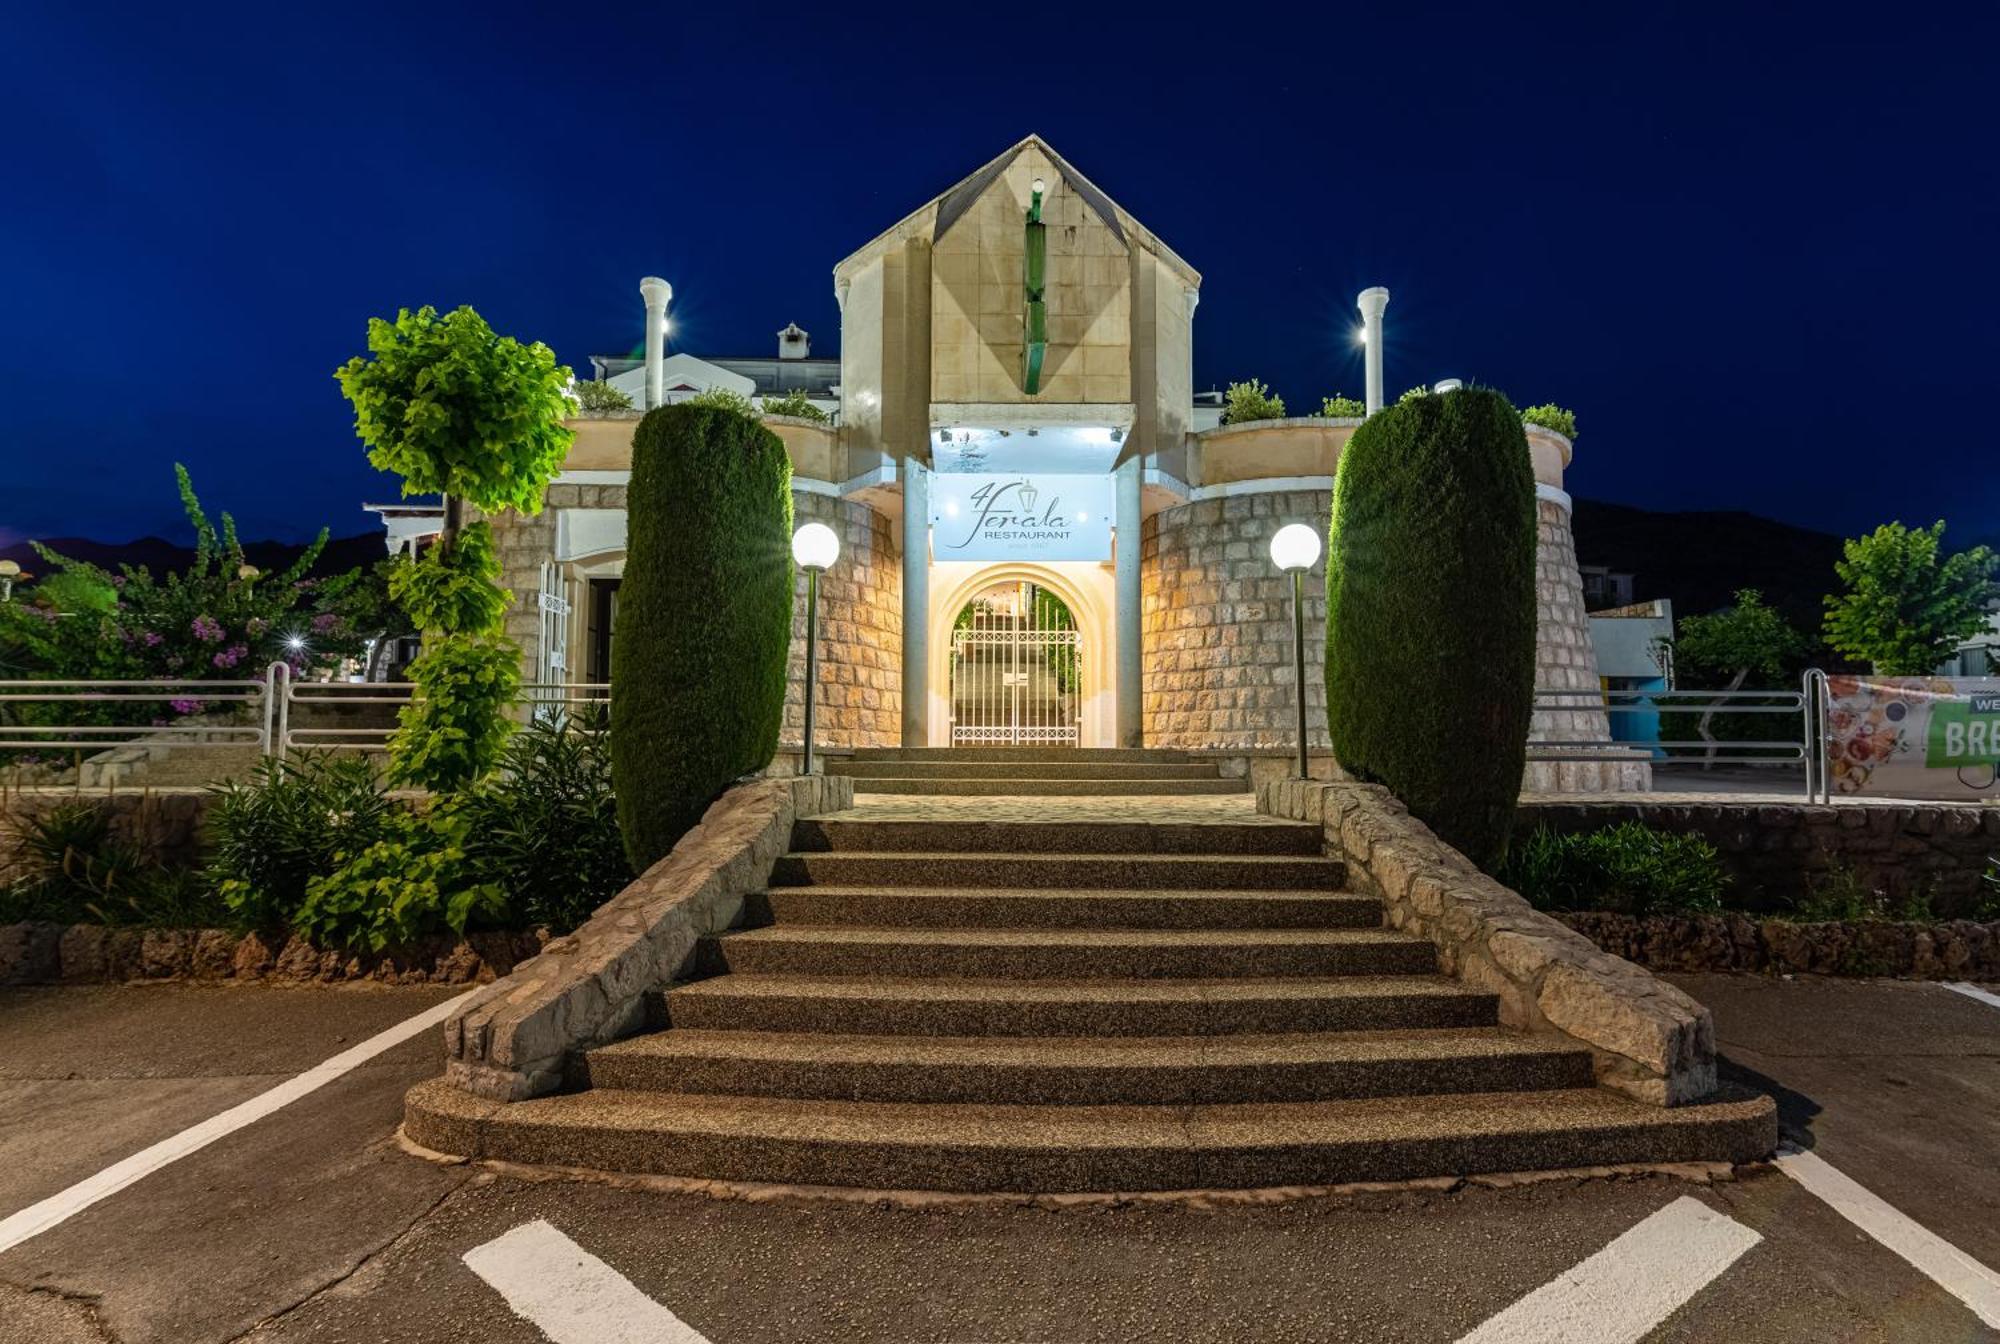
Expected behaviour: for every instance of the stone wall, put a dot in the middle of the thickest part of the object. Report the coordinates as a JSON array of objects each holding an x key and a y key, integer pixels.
[
  {"x": 860, "y": 697},
  {"x": 1565, "y": 661},
  {"x": 163, "y": 825},
  {"x": 1950, "y": 950},
  {"x": 1776, "y": 850},
  {"x": 1216, "y": 624},
  {"x": 1647, "y": 1039},
  {"x": 523, "y": 545}
]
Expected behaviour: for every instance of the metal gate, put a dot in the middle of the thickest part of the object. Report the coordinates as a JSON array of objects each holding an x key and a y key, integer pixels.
[
  {"x": 554, "y": 606},
  {"x": 1016, "y": 669}
]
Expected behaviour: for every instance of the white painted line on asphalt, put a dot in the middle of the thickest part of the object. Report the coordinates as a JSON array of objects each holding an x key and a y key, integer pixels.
[
  {"x": 39, "y": 1218},
  {"x": 569, "y": 1294},
  {"x": 1974, "y": 992},
  {"x": 1950, "y": 1268},
  {"x": 1620, "y": 1294}
]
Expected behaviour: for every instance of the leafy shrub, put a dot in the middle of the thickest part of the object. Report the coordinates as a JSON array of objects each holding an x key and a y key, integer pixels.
[
  {"x": 545, "y": 825},
  {"x": 1244, "y": 402},
  {"x": 407, "y": 885},
  {"x": 705, "y": 618},
  {"x": 1342, "y": 408},
  {"x": 1417, "y": 393},
  {"x": 455, "y": 726},
  {"x": 1629, "y": 868},
  {"x": 269, "y": 837},
  {"x": 453, "y": 588},
  {"x": 1430, "y": 600},
  {"x": 69, "y": 868},
  {"x": 722, "y": 399},
  {"x": 595, "y": 398},
  {"x": 1551, "y": 416},
  {"x": 797, "y": 404}
]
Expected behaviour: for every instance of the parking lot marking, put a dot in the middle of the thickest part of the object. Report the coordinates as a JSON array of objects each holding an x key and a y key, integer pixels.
[
  {"x": 1950, "y": 1268},
  {"x": 569, "y": 1294},
  {"x": 40, "y": 1217},
  {"x": 1620, "y": 1294},
  {"x": 1974, "y": 992}
]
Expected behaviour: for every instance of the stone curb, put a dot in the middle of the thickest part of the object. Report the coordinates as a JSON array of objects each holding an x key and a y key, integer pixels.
[
  {"x": 1949, "y": 950},
  {"x": 46, "y": 953},
  {"x": 1648, "y": 1040},
  {"x": 513, "y": 1039}
]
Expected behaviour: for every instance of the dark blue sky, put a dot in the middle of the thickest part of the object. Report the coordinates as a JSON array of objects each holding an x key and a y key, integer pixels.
[{"x": 1753, "y": 249}]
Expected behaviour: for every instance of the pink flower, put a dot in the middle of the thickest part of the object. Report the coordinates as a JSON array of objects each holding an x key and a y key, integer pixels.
[
  {"x": 206, "y": 629},
  {"x": 184, "y": 706},
  {"x": 231, "y": 656}
]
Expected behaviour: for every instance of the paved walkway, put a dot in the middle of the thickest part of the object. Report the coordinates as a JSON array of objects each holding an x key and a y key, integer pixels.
[
  {"x": 311, "y": 1226},
  {"x": 1235, "y": 808}
]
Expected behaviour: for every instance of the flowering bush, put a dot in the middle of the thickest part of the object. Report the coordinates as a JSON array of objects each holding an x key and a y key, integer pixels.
[{"x": 217, "y": 620}]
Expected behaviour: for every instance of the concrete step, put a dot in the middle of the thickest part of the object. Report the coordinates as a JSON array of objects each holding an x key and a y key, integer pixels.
[
  {"x": 913, "y": 1006},
  {"x": 1163, "y": 872},
  {"x": 821, "y": 834},
  {"x": 1065, "y": 954},
  {"x": 1153, "y": 755},
  {"x": 1003, "y": 908},
  {"x": 1011, "y": 770},
  {"x": 1094, "y": 1071},
  {"x": 1053, "y": 788},
  {"x": 1039, "y": 1149}
]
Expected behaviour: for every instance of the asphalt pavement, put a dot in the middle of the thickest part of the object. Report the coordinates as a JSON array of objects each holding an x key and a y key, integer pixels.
[{"x": 313, "y": 1224}]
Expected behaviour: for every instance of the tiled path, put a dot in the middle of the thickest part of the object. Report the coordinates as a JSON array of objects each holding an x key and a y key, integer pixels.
[{"x": 1236, "y": 808}]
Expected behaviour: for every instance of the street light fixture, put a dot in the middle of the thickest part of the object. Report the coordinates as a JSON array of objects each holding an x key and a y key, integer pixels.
[
  {"x": 1295, "y": 548},
  {"x": 815, "y": 548},
  {"x": 10, "y": 570}
]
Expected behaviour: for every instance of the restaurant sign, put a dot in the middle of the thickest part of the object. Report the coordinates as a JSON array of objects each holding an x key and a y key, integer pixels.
[{"x": 1022, "y": 517}]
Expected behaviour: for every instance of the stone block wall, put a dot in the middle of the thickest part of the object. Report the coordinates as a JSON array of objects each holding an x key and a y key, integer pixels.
[
  {"x": 1565, "y": 661},
  {"x": 860, "y": 696},
  {"x": 523, "y": 544},
  {"x": 1776, "y": 851},
  {"x": 1216, "y": 624}
]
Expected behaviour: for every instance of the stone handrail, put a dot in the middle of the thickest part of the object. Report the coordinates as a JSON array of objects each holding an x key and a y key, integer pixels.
[
  {"x": 513, "y": 1039},
  {"x": 1648, "y": 1040}
]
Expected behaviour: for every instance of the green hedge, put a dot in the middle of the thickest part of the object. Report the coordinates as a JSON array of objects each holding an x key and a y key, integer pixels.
[
  {"x": 1430, "y": 617},
  {"x": 704, "y": 618},
  {"x": 1629, "y": 868}
]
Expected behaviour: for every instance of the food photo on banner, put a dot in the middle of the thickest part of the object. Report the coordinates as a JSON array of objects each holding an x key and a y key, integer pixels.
[{"x": 1914, "y": 737}]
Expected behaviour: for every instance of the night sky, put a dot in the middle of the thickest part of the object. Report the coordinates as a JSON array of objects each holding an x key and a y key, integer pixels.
[{"x": 1753, "y": 250}]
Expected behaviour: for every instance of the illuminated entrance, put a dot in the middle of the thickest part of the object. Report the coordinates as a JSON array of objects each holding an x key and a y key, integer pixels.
[{"x": 1016, "y": 669}]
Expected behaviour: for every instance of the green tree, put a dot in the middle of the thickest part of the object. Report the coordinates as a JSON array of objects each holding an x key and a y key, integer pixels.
[
  {"x": 797, "y": 404},
  {"x": 1907, "y": 605},
  {"x": 1430, "y": 612},
  {"x": 704, "y": 618},
  {"x": 1551, "y": 416},
  {"x": 1337, "y": 407},
  {"x": 1732, "y": 645},
  {"x": 457, "y": 409},
  {"x": 1244, "y": 402}
]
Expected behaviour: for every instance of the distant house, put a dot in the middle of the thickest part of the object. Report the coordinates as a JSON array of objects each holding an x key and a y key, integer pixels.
[
  {"x": 1978, "y": 656},
  {"x": 1634, "y": 649}
]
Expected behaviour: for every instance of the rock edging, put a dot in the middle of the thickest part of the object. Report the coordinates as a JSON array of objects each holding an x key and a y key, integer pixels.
[
  {"x": 514, "y": 1038},
  {"x": 1948, "y": 950},
  {"x": 1648, "y": 1040},
  {"x": 45, "y": 953}
]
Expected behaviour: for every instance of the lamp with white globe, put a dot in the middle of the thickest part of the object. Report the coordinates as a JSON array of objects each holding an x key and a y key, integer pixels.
[
  {"x": 1295, "y": 549},
  {"x": 815, "y": 548}
]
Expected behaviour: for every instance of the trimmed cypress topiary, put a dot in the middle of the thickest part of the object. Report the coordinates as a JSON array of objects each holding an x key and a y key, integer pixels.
[
  {"x": 704, "y": 619},
  {"x": 1430, "y": 612}
]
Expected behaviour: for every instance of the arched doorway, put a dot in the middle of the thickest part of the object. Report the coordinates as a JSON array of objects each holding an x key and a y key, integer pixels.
[
  {"x": 1016, "y": 669},
  {"x": 1085, "y": 589}
]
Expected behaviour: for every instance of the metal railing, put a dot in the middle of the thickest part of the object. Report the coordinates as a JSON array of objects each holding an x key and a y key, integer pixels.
[
  {"x": 1792, "y": 714},
  {"x": 270, "y": 705}
]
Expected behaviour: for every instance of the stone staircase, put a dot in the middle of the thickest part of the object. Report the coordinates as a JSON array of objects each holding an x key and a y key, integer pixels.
[
  {"x": 1046, "y": 1004},
  {"x": 1037, "y": 771}
]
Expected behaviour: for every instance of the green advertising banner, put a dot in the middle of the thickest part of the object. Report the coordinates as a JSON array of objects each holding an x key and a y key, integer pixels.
[{"x": 1914, "y": 737}]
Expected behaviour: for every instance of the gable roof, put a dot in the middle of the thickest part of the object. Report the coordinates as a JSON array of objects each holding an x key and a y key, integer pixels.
[{"x": 935, "y": 217}]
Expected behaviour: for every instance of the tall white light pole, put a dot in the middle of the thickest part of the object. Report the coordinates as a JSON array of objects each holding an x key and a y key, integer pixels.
[
  {"x": 1294, "y": 549},
  {"x": 656, "y": 292},
  {"x": 815, "y": 547},
  {"x": 1371, "y": 302}
]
